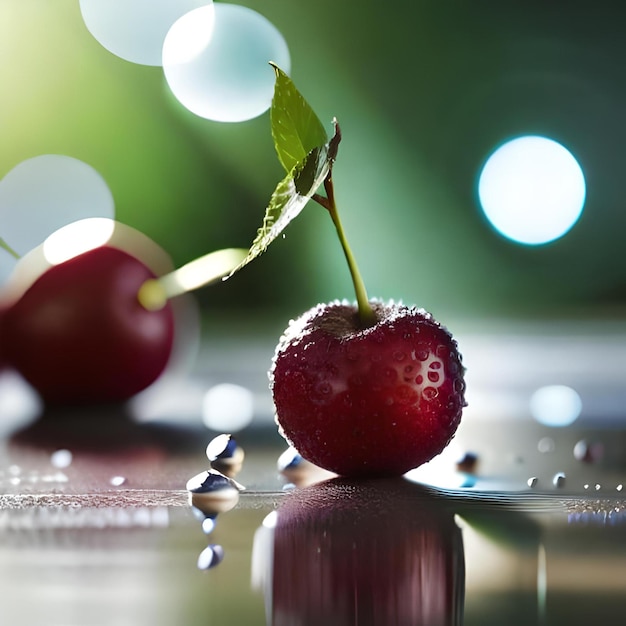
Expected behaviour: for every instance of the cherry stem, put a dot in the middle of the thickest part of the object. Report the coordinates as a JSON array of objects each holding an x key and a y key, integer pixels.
[
  {"x": 366, "y": 313},
  {"x": 155, "y": 292},
  {"x": 5, "y": 246}
]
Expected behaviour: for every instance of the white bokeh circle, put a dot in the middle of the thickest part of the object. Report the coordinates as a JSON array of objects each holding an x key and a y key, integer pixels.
[
  {"x": 220, "y": 71},
  {"x": 134, "y": 30},
  {"x": 555, "y": 405},
  {"x": 42, "y": 194},
  {"x": 532, "y": 190}
]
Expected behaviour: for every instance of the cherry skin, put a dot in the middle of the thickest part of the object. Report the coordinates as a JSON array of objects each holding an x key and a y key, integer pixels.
[
  {"x": 378, "y": 400},
  {"x": 79, "y": 334}
]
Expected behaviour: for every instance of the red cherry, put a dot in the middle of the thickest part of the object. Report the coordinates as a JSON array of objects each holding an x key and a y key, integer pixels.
[
  {"x": 79, "y": 335},
  {"x": 367, "y": 401}
]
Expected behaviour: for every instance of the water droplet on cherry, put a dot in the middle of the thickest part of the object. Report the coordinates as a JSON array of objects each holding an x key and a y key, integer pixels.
[{"x": 430, "y": 393}]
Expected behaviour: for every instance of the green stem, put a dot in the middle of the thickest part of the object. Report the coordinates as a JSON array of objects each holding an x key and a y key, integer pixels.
[
  {"x": 366, "y": 313},
  {"x": 5, "y": 246}
]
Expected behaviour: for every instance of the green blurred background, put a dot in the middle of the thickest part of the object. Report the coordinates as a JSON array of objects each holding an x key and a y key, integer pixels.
[{"x": 424, "y": 91}]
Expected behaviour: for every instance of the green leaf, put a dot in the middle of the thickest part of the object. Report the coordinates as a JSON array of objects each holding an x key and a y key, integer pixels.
[
  {"x": 296, "y": 129},
  {"x": 289, "y": 198}
]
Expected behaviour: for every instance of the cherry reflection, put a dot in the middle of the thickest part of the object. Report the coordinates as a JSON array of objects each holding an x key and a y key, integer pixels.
[{"x": 373, "y": 552}]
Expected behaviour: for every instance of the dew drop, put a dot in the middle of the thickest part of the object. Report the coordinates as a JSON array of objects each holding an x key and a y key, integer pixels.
[
  {"x": 430, "y": 393},
  {"x": 221, "y": 446},
  {"x": 289, "y": 459},
  {"x": 435, "y": 365},
  {"x": 598, "y": 486},
  {"x": 619, "y": 487},
  {"x": 117, "y": 481},
  {"x": 210, "y": 557},
  {"x": 532, "y": 482},
  {"x": 433, "y": 377},
  {"x": 208, "y": 524},
  {"x": 588, "y": 452},
  {"x": 419, "y": 379},
  {"x": 467, "y": 463},
  {"x": 421, "y": 355},
  {"x": 559, "y": 480}
]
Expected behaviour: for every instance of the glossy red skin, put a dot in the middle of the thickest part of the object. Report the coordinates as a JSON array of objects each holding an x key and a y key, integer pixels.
[
  {"x": 79, "y": 334},
  {"x": 377, "y": 401},
  {"x": 367, "y": 552}
]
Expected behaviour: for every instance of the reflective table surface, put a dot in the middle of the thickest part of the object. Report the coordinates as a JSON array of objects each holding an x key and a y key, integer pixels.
[{"x": 97, "y": 527}]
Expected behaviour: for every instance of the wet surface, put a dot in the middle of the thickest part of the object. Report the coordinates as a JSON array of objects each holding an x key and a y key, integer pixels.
[
  {"x": 516, "y": 523},
  {"x": 329, "y": 552}
]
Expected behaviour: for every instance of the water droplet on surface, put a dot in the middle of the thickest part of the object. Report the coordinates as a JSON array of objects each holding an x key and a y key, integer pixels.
[
  {"x": 588, "y": 452},
  {"x": 210, "y": 557},
  {"x": 208, "y": 524},
  {"x": 220, "y": 446},
  {"x": 598, "y": 486},
  {"x": 619, "y": 487},
  {"x": 559, "y": 480},
  {"x": 467, "y": 463},
  {"x": 212, "y": 492},
  {"x": 433, "y": 377},
  {"x": 289, "y": 459},
  {"x": 117, "y": 481},
  {"x": 61, "y": 459},
  {"x": 545, "y": 445},
  {"x": 225, "y": 455},
  {"x": 532, "y": 482},
  {"x": 421, "y": 355}
]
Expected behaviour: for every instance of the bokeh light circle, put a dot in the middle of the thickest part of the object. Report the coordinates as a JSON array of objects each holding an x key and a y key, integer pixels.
[
  {"x": 227, "y": 407},
  {"x": 555, "y": 405},
  {"x": 134, "y": 30},
  {"x": 44, "y": 193},
  {"x": 532, "y": 190},
  {"x": 221, "y": 72}
]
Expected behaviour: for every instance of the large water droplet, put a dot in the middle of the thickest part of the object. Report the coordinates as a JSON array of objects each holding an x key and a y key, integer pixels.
[{"x": 559, "y": 480}]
